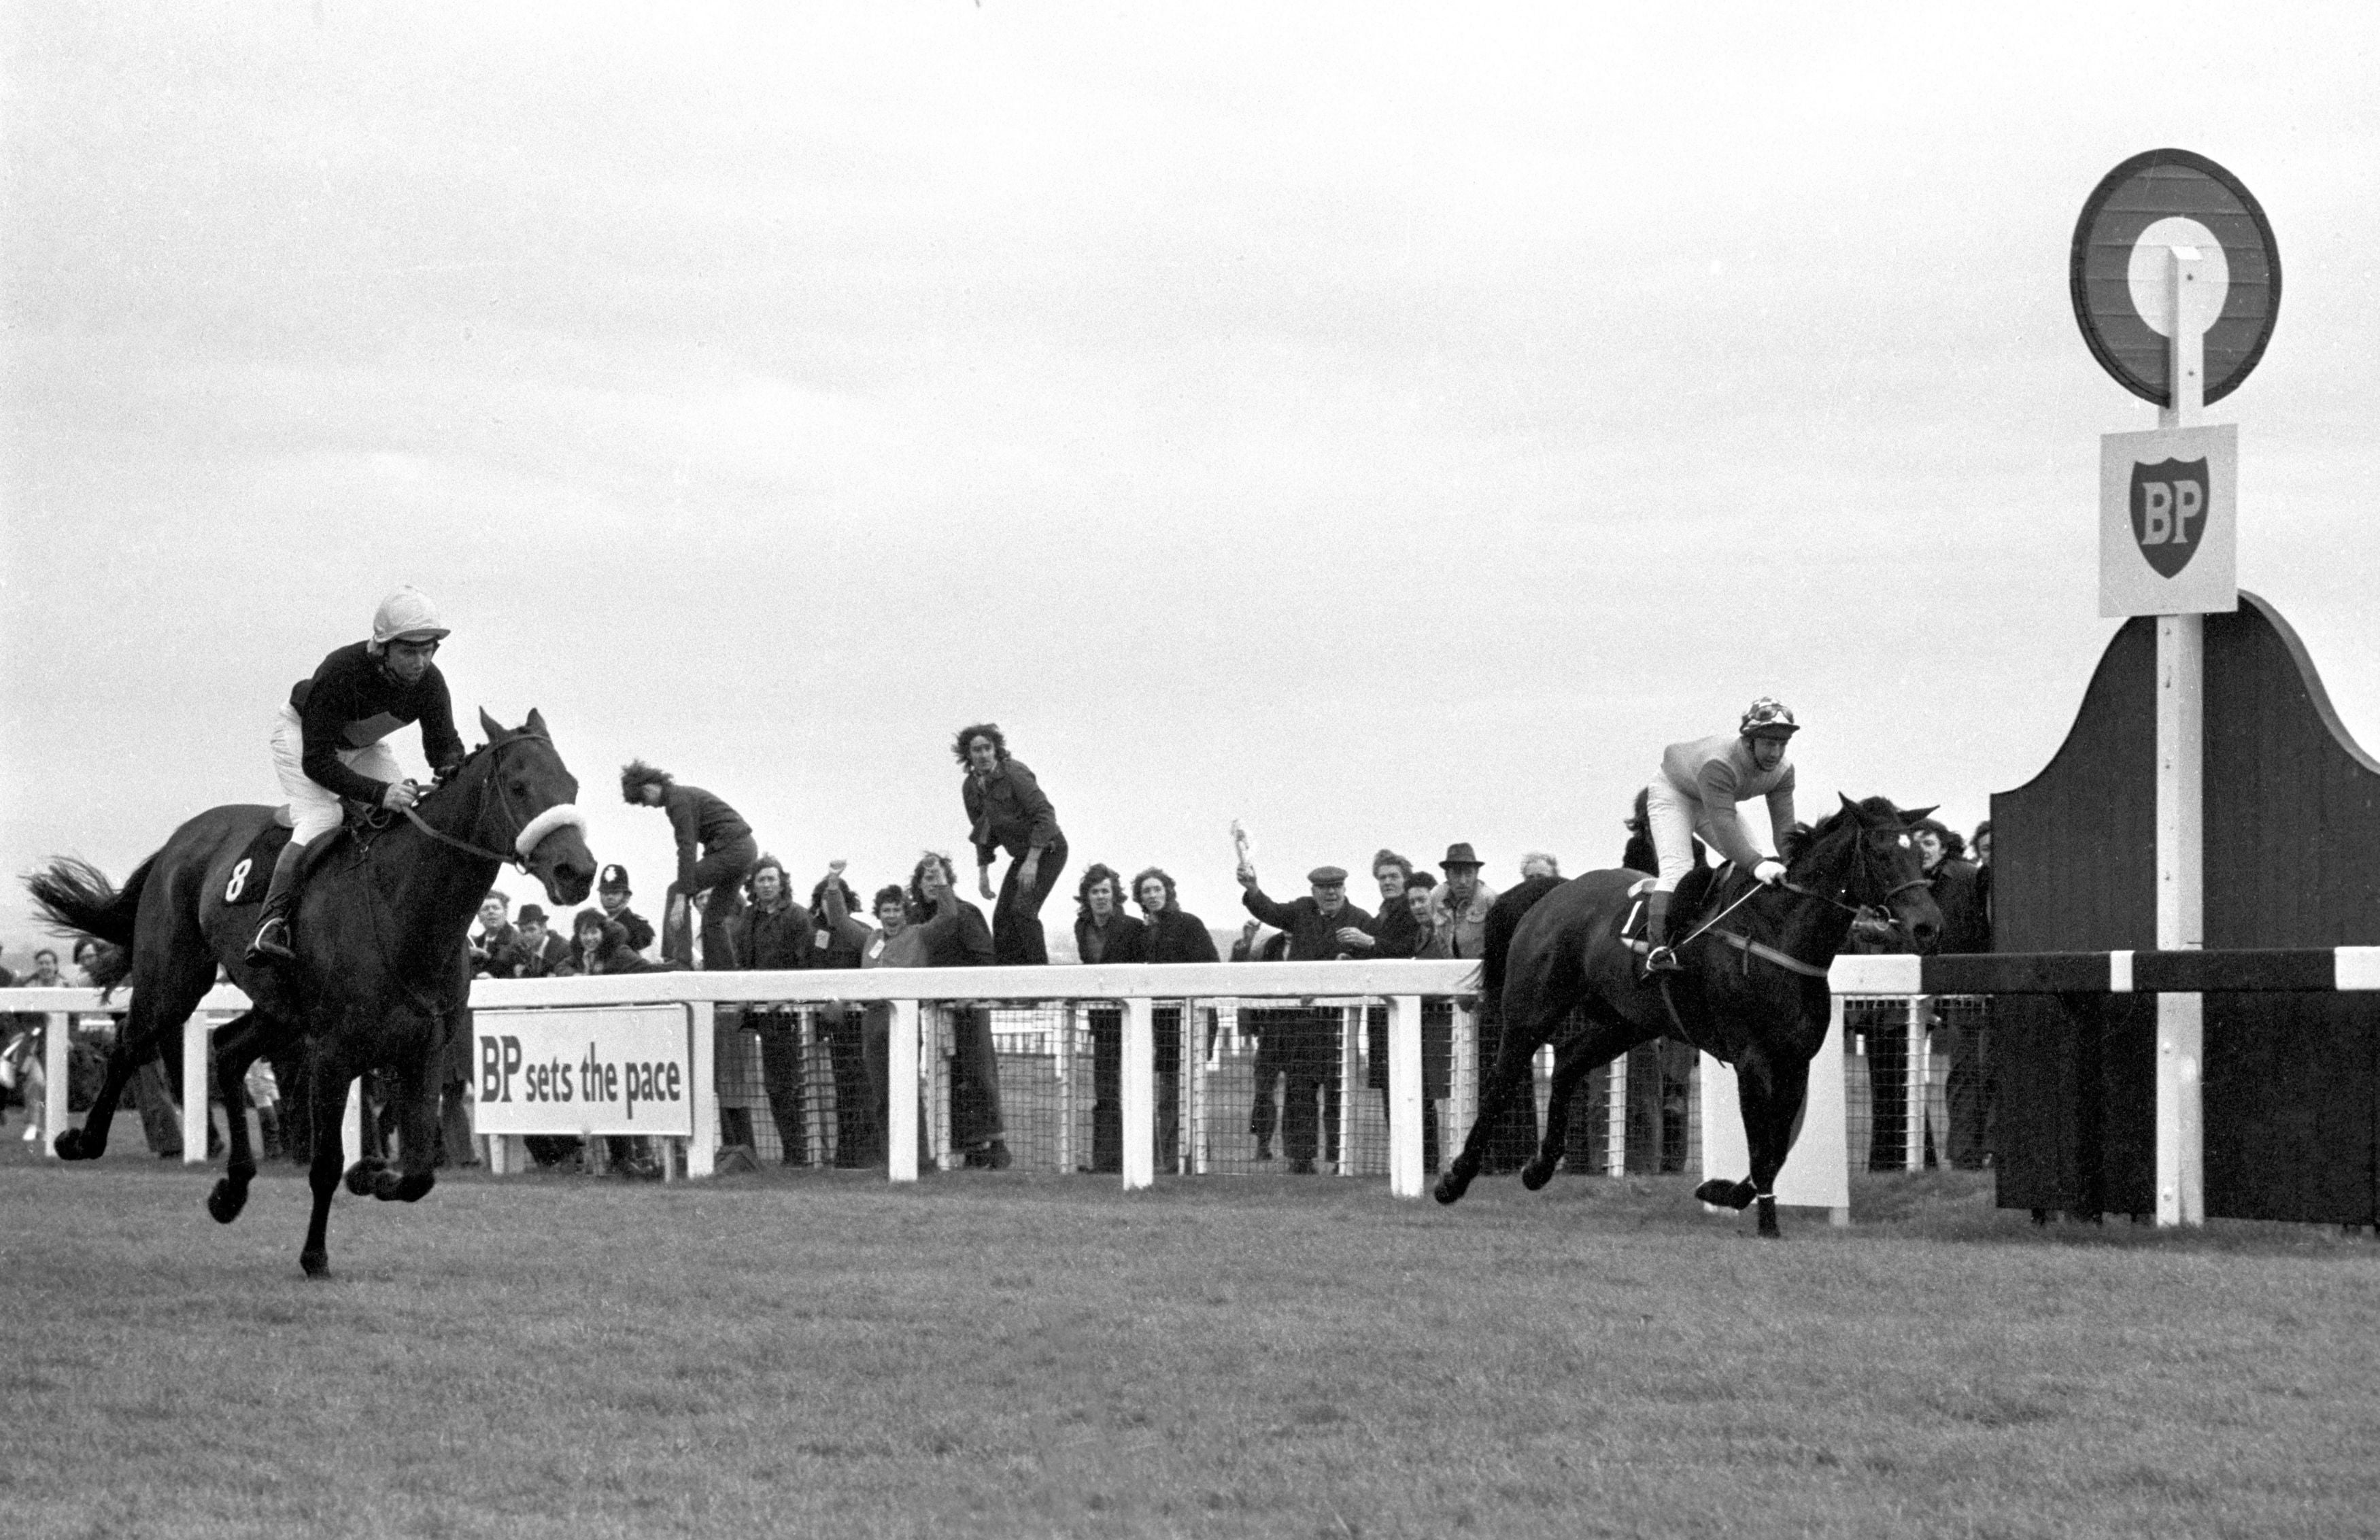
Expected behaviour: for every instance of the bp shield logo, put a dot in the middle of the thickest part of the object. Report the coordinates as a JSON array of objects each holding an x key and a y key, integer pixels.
[{"x": 2168, "y": 512}]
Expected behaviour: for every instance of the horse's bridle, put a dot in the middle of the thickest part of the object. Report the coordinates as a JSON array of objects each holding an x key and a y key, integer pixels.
[
  {"x": 1866, "y": 871},
  {"x": 523, "y": 843}
]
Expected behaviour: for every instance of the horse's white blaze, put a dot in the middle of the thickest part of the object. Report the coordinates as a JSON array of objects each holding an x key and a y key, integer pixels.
[{"x": 545, "y": 823}]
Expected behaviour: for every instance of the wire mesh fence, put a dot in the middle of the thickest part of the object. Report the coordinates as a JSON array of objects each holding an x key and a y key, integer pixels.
[{"x": 1917, "y": 1081}]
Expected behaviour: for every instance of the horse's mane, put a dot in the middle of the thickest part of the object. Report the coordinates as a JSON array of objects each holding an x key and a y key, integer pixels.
[{"x": 1802, "y": 838}]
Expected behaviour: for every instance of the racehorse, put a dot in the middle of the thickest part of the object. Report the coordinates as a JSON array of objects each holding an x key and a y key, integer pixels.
[
  {"x": 380, "y": 976},
  {"x": 1751, "y": 989}
]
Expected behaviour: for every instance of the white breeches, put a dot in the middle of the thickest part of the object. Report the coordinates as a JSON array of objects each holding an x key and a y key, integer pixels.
[
  {"x": 1676, "y": 820},
  {"x": 314, "y": 808}
]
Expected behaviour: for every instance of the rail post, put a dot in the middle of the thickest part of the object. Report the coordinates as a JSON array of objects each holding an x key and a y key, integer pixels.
[
  {"x": 1405, "y": 1096},
  {"x": 194, "y": 1090},
  {"x": 702, "y": 1068},
  {"x": 901, "y": 1093},
  {"x": 57, "y": 1071},
  {"x": 1139, "y": 1083}
]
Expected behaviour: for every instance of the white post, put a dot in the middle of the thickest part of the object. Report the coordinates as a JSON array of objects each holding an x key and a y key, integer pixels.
[
  {"x": 1615, "y": 1119},
  {"x": 1462, "y": 1081},
  {"x": 1352, "y": 1024},
  {"x": 1405, "y": 1096},
  {"x": 500, "y": 1155},
  {"x": 2180, "y": 808},
  {"x": 352, "y": 1129},
  {"x": 57, "y": 1068},
  {"x": 1140, "y": 1085},
  {"x": 194, "y": 1090},
  {"x": 1195, "y": 1141},
  {"x": 1913, "y": 1089},
  {"x": 702, "y": 1066},
  {"x": 901, "y": 1093}
]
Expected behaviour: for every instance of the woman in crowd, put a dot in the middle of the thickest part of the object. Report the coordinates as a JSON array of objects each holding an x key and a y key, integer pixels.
[
  {"x": 773, "y": 933},
  {"x": 1170, "y": 935},
  {"x": 715, "y": 850},
  {"x": 943, "y": 931}
]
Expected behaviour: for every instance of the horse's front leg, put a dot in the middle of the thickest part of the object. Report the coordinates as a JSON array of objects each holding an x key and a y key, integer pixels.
[
  {"x": 1770, "y": 1088},
  {"x": 416, "y": 1088},
  {"x": 1515, "y": 1047}
]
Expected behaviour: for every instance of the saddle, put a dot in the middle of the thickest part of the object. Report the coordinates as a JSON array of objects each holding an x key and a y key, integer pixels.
[{"x": 1693, "y": 896}]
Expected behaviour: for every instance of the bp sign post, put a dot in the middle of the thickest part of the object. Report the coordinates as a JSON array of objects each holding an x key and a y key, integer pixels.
[{"x": 2176, "y": 283}]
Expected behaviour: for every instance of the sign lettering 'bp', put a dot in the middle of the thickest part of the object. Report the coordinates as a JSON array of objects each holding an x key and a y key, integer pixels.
[
  {"x": 616, "y": 1070},
  {"x": 2169, "y": 521}
]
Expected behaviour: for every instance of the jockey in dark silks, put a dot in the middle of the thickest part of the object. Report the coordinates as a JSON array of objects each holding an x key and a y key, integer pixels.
[
  {"x": 1696, "y": 793},
  {"x": 327, "y": 742}
]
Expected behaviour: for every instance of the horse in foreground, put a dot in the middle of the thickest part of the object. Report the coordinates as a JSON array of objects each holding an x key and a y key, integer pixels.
[
  {"x": 1751, "y": 992},
  {"x": 381, "y": 937}
]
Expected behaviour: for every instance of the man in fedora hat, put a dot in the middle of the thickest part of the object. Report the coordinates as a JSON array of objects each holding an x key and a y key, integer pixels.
[
  {"x": 1463, "y": 904},
  {"x": 543, "y": 954},
  {"x": 1307, "y": 1051}
]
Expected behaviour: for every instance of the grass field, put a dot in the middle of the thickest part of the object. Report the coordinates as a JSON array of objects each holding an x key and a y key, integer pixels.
[{"x": 997, "y": 1354}]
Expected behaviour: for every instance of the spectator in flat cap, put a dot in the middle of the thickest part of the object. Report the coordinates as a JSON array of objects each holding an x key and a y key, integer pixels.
[
  {"x": 612, "y": 892},
  {"x": 1308, "y": 1057}
]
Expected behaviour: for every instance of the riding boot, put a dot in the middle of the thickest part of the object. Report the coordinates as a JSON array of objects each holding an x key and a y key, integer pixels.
[
  {"x": 273, "y": 940},
  {"x": 1658, "y": 958}
]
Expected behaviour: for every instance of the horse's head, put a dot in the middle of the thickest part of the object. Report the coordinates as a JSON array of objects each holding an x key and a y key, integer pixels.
[
  {"x": 1874, "y": 864},
  {"x": 528, "y": 807}
]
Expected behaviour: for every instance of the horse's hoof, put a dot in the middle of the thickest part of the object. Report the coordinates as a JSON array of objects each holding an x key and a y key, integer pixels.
[
  {"x": 1449, "y": 1188},
  {"x": 1536, "y": 1174},
  {"x": 361, "y": 1177},
  {"x": 316, "y": 1263},
  {"x": 1718, "y": 1193},
  {"x": 395, "y": 1187},
  {"x": 227, "y": 1199},
  {"x": 71, "y": 1145}
]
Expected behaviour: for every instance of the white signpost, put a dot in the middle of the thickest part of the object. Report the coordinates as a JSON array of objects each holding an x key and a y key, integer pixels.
[{"x": 2152, "y": 273}]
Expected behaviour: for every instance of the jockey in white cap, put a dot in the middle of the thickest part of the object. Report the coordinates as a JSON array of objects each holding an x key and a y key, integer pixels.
[
  {"x": 327, "y": 740},
  {"x": 1700, "y": 783}
]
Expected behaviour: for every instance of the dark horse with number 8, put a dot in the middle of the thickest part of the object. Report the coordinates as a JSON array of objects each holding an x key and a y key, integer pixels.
[
  {"x": 1751, "y": 989},
  {"x": 380, "y": 932}
]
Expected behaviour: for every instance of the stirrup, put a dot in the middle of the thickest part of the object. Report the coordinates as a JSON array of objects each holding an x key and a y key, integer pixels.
[
  {"x": 271, "y": 941},
  {"x": 1660, "y": 959}
]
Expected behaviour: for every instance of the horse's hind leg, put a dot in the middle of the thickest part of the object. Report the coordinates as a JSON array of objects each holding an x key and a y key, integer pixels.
[
  {"x": 372, "y": 1155},
  {"x": 238, "y": 1044},
  {"x": 1603, "y": 1039},
  {"x": 1515, "y": 1047},
  {"x": 162, "y": 999}
]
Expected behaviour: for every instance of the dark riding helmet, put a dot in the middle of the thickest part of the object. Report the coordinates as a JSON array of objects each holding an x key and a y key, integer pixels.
[{"x": 1767, "y": 718}]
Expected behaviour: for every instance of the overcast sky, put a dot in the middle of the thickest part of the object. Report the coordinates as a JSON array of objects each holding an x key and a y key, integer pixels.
[{"x": 1386, "y": 425}]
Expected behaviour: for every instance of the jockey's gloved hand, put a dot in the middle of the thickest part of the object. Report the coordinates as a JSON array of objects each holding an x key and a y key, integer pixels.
[{"x": 1771, "y": 872}]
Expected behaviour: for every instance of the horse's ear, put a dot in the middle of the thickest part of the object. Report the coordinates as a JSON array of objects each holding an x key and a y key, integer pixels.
[
  {"x": 1911, "y": 816},
  {"x": 1853, "y": 808},
  {"x": 489, "y": 725},
  {"x": 535, "y": 724}
]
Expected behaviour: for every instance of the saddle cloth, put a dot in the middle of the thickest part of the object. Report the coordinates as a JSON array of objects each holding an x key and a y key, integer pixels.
[
  {"x": 252, "y": 873},
  {"x": 1686, "y": 906}
]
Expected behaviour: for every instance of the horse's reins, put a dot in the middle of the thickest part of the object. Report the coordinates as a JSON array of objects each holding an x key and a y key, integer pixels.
[
  {"x": 518, "y": 857},
  {"x": 1785, "y": 960}
]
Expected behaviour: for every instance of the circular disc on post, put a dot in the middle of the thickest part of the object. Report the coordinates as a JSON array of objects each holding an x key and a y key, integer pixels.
[{"x": 2178, "y": 193}]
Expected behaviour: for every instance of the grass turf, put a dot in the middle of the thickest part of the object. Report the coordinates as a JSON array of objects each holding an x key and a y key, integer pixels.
[{"x": 997, "y": 1354}]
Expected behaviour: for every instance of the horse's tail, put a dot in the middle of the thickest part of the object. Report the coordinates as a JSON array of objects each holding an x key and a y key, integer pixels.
[
  {"x": 1496, "y": 935},
  {"x": 77, "y": 897}
]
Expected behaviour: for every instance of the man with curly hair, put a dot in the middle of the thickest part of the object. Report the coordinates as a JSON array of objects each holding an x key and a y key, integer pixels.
[
  {"x": 710, "y": 877},
  {"x": 1007, "y": 811}
]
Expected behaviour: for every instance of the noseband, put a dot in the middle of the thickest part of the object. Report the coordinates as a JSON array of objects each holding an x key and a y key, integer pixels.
[{"x": 530, "y": 834}]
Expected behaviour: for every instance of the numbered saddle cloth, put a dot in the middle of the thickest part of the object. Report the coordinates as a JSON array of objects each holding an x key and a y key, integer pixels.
[{"x": 252, "y": 873}]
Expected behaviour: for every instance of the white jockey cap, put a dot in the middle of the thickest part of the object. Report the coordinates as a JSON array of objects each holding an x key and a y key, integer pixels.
[{"x": 406, "y": 614}]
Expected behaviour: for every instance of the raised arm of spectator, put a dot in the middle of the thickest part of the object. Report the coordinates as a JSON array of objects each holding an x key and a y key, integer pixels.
[{"x": 1281, "y": 917}]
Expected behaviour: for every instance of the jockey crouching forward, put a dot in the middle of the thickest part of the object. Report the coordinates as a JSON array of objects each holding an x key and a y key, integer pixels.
[
  {"x": 1696, "y": 793},
  {"x": 327, "y": 742}
]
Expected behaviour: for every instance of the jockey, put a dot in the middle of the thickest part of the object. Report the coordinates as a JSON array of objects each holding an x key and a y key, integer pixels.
[
  {"x": 327, "y": 742},
  {"x": 1700, "y": 783}
]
